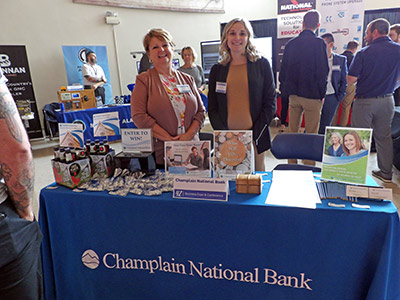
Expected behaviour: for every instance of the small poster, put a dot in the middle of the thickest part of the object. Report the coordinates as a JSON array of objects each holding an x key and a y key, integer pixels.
[
  {"x": 234, "y": 153},
  {"x": 346, "y": 153},
  {"x": 188, "y": 158},
  {"x": 71, "y": 135},
  {"x": 106, "y": 124},
  {"x": 136, "y": 140}
]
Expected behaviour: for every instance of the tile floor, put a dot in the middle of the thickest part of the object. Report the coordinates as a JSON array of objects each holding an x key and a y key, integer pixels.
[{"x": 43, "y": 152}]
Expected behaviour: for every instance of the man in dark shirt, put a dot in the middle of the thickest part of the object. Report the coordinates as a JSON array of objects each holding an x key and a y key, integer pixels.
[
  {"x": 376, "y": 69},
  {"x": 303, "y": 76},
  {"x": 394, "y": 34},
  {"x": 348, "y": 98}
]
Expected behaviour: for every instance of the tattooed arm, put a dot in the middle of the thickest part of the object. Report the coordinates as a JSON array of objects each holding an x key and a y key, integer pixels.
[{"x": 16, "y": 162}]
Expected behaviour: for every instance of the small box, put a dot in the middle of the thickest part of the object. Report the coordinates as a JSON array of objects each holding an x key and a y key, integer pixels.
[
  {"x": 248, "y": 184},
  {"x": 103, "y": 164},
  {"x": 73, "y": 174}
]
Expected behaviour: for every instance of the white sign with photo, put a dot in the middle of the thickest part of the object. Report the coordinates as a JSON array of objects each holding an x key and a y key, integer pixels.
[
  {"x": 71, "y": 135},
  {"x": 346, "y": 153},
  {"x": 234, "y": 153},
  {"x": 188, "y": 158},
  {"x": 106, "y": 124}
]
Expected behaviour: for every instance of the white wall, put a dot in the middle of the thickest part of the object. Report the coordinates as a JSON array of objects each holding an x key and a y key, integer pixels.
[{"x": 46, "y": 25}]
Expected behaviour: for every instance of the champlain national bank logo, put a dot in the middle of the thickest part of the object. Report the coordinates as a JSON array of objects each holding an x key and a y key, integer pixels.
[{"x": 90, "y": 259}]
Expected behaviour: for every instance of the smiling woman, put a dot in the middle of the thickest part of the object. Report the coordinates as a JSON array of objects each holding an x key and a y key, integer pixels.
[
  {"x": 241, "y": 88},
  {"x": 164, "y": 99}
]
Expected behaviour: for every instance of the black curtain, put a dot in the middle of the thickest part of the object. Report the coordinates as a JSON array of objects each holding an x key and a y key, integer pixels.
[{"x": 392, "y": 15}]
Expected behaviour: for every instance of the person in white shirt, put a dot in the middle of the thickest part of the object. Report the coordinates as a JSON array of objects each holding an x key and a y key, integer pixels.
[{"x": 93, "y": 75}]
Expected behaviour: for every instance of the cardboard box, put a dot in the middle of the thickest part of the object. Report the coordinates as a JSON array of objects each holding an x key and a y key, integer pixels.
[
  {"x": 103, "y": 164},
  {"x": 73, "y": 174}
]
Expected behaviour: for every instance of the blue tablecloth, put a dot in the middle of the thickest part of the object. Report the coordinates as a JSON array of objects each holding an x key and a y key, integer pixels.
[
  {"x": 85, "y": 117},
  {"x": 140, "y": 247}
]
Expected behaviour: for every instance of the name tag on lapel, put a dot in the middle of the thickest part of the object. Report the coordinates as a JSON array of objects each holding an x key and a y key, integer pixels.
[
  {"x": 336, "y": 68},
  {"x": 183, "y": 88},
  {"x": 221, "y": 87}
]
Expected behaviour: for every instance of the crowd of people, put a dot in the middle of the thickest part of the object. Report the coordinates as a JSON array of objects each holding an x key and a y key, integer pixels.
[
  {"x": 242, "y": 94},
  {"x": 365, "y": 80}
]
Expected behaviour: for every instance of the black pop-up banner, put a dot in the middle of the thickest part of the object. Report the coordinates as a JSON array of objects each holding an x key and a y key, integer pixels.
[{"x": 14, "y": 63}]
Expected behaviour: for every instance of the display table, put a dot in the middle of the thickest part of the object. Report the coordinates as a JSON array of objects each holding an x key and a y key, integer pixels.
[
  {"x": 85, "y": 117},
  {"x": 141, "y": 247}
]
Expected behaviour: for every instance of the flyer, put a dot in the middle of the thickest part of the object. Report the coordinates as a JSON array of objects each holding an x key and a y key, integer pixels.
[
  {"x": 71, "y": 135},
  {"x": 106, "y": 124},
  {"x": 346, "y": 153},
  {"x": 188, "y": 158},
  {"x": 234, "y": 153}
]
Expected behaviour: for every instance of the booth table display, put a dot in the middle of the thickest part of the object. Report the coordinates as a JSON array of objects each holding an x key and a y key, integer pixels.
[
  {"x": 85, "y": 117},
  {"x": 99, "y": 246}
]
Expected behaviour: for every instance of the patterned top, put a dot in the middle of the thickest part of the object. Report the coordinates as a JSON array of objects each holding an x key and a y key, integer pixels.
[{"x": 177, "y": 99}]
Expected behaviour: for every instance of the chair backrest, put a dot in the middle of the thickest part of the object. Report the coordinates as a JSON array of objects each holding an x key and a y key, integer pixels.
[{"x": 298, "y": 146}]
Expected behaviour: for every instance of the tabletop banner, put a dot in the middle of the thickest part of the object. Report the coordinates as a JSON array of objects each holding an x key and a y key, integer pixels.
[
  {"x": 159, "y": 247},
  {"x": 75, "y": 57},
  {"x": 344, "y": 19},
  {"x": 15, "y": 66},
  {"x": 85, "y": 117}
]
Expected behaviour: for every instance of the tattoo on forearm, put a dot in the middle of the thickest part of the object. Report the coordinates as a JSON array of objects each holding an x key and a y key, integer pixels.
[
  {"x": 20, "y": 187},
  {"x": 9, "y": 113}
]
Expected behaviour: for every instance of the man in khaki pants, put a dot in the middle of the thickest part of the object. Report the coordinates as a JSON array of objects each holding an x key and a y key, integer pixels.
[
  {"x": 347, "y": 100},
  {"x": 303, "y": 76}
]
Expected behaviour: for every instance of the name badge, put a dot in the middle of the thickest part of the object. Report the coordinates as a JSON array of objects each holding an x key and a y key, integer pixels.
[
  {"x": 221, "y": 87},
  {"x": 336, "y": 68},
  {"x": 183, "y": 88}
]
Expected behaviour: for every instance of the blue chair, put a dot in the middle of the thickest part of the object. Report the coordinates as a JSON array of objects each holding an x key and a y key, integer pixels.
[{"x": 298, "y": 146}]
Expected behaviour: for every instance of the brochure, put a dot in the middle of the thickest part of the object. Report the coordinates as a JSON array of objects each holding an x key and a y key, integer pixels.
[
  {"x": 346, "y": 153},
  {"x": 71, "y": 135},
  {"x": 234, "y": 153},
  {"x": 188, "y": 158},
  {"x": 106, "y": 124}
]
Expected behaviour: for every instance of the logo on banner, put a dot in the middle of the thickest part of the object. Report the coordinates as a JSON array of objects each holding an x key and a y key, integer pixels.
[
  {"x": 355, "y": 17},
  {"x": 113, "y": 261},
  {"x": 90, "y": 259},
  {"x": 341, "y": 14},
  {"x": 296, "y": 6},
  {"x": 82, "y": 55},
  {"x": 359, "y": 28},
  {"x": 328, "y": 19},
  {"x": 4, "y": 60},
  {"x": 80, "y": 122},
  {"x": 322, "y": 30},
  {"x": 344, "y": 31}
]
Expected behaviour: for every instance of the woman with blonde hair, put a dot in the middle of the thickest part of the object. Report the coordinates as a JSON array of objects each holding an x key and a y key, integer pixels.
[
  {"x": 164, "y": 99},
  {"x": 196, "y": 71},
  {"x": 241, "y": 88}
]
